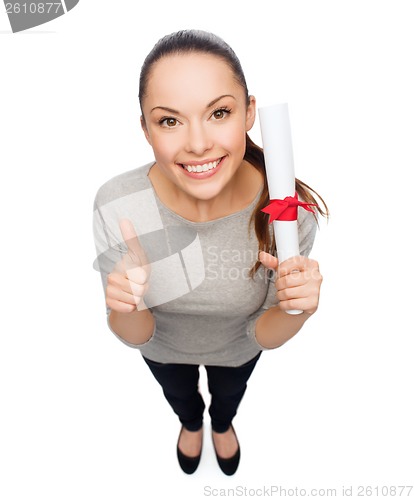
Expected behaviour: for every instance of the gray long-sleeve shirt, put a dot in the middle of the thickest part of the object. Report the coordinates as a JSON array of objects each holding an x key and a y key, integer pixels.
[{"x": 204, "y": 304}]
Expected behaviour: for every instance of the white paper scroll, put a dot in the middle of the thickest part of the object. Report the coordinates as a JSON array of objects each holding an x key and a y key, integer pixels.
[{"x": 278, "y": 153}]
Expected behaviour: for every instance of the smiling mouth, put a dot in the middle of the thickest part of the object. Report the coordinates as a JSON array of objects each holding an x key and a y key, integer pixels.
[{"x": 202, "y": 168}]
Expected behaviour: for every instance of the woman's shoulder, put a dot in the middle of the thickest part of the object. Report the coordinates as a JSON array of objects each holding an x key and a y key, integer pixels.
[{"x": 123, "y": 184}]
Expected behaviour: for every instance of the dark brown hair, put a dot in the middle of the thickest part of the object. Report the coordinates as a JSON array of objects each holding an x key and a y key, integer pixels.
[{"x": 185, "y": 41}]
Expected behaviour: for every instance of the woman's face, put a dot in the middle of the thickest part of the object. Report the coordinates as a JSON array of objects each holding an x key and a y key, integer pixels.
[{"x": 195, "y": 114}]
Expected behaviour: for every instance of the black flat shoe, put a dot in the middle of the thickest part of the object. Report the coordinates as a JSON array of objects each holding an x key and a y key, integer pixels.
[
  {"x": 228, "y": 465},
  {"x": 188, "y": 464}
]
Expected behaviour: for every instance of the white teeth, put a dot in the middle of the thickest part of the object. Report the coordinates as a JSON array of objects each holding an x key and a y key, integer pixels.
[{"x": 202, "y": 168}]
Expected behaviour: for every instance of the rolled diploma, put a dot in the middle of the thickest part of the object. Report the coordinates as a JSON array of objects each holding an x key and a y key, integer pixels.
[{"x": 278, "y": 153}]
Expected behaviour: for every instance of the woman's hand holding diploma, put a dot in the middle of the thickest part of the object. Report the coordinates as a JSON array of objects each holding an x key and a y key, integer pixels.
[
  {"x": 298, "y": 282},
  {"x": 127, "y": 284}
]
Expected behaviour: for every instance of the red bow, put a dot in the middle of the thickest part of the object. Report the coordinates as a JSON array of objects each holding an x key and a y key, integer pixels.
[{"x": 286, "y": 209}]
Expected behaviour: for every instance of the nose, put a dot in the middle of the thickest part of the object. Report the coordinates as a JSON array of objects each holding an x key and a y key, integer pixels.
[{"x": 198, "y": 140}]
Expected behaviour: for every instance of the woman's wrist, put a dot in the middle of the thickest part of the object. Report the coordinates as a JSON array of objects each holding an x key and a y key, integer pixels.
[
  {"x": 136, "y": 327},
  {"x": 275, "y": 326}
]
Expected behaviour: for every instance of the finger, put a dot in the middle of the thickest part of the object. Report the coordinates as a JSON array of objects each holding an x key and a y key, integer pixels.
[
  {"x": 129, "y": 269},
  {"x": 307, "y": 304},
  {"x": 115, "y": 293},
  {"x": 121, "y": 307},
  {"x": 126, "y": 285},
  {"x": 291, "y": 280},
  {"x": 293, "y": 264},
  {"x": 297, "y": 292},
  {"x": 137, "y": 274},
  {"x": 130, "y": 237},
  {"x": 268, "y": 260}
]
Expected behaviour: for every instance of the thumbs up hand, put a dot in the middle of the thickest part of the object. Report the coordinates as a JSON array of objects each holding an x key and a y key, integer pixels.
[{"x": 127, "y": 284}]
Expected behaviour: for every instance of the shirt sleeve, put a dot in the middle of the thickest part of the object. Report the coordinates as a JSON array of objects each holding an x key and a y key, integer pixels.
[
  {"x": 307, "y": 225},
  {"x": 109, "y": 251}
]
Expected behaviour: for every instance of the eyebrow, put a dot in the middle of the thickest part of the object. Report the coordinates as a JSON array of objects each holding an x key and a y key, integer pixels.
[{"x": 174, "y": 111}]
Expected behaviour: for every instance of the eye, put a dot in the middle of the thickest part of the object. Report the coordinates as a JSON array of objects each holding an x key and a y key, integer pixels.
[
  {"x": 220, "y": 113},
  {"x": 168, "y": 122}
]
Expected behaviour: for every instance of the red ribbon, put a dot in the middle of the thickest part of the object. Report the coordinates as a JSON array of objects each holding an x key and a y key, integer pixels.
[{"x": 286, "y": 209}]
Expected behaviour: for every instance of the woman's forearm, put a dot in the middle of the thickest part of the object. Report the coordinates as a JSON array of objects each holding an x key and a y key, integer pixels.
[
  {"x": 275, "y": 326},
  {"x": 135, "y": 327}
]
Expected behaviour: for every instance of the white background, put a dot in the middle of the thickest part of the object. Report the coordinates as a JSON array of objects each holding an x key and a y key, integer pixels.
[{"x": 81, "y": 415}]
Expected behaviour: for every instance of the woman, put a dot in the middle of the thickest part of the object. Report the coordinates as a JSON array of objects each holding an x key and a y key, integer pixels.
[{"x": 192, "y": 289}]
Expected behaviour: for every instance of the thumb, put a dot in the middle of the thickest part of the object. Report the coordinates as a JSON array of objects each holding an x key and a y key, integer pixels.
[
  {"x": 133, "y": 244},
  {"x": 268, "y": 260}
]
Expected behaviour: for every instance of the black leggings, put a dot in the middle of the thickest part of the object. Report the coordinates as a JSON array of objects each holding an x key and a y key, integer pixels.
[{"x": 226, "y": 385}]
